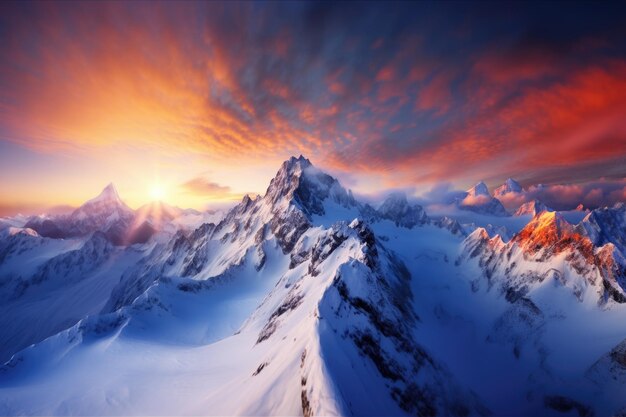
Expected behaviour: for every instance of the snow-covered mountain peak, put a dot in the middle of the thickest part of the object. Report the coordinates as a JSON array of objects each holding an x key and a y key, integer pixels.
[
  {"x": 513, "y": 185},
  {"x": 585, "y": 256},
  {"x": 308, "y": 302},
  {"x": 12, "y": 231},
  {"x": 547, "y": 230},
  {"x": 287, "y": 179},
  {"x": 107, "y": 199},
  {"x": 107, "y": 203},
  {"x": 109, "y": 194},
  {"x": 301, "y": 160},
  {"x": 479, "y": 200},
  {"x": 549, "y": 220},
  {"x": 300, "y": 183},
  {"x": 395, "y": 203},
  {"x": 479, "y": 189},
  {"x": 509, "y": 186},
  {"x": 480, "y": 233},
  {"x": 397, "y": 198},
  {"x": 606, "y": 225},
  {"x": 106, "y": 212},
  {"x": 397, "y": 209},
  {"x": 293, "y": 167},
  {"x": 533, "y": 207}
]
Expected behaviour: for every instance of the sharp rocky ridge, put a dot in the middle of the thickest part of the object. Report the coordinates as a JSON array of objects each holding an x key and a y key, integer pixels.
[
  {"x": 590, "y": 256},
  {"x": 308, "y": 291},
  {"x": 338, "y": 286}
]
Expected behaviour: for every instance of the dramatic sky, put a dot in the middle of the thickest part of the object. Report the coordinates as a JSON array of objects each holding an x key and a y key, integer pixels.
[{"x": 204, "y": 100}]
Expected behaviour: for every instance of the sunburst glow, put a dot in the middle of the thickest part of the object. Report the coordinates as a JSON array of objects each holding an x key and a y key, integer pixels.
[
  {"x": 157, "y": 192},
  {"x": 214, "y": 110}
]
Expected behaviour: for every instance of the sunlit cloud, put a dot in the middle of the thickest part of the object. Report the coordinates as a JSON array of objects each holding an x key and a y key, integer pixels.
[
  {"x": 569, "y": 196},
  {"x": 212, "y": 191},
  {"x": 408, "y": 101}
]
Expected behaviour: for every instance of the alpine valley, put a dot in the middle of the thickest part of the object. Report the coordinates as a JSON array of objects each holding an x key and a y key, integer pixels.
[{"x": 307, "y": 301}]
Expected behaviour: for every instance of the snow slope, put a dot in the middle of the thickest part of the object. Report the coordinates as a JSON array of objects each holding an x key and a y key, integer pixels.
[
  {"x": 306, "y": 301},
  {"x": 49, "y": 285}
]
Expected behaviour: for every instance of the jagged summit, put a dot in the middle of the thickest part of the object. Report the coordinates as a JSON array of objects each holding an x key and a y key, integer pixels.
[
  {"x": 479, "y": 200},
  {"x": 509, "y": 186},
  {"x": 513, "y": 185},
  {"x": 110, "y": 188},
  {"x": 606, "y": 225},
  {"x": 108, "y": 194},
  {"x": 549, "y": 220},
  {"x": 299, "y": 182},
  {"x": 287, "y": 178},
  {"x": 545, "y": 230},
  {"x": 294, "y": 166},
  {"x": 478, "y": 190},
  {"x": 301, "y": 159},
  {"x": 106, "y": 213},
  {"x": 294, "y": 306},
  {"x": 107, "y": 201},
  {"x": 395, "y": 199},
  {"x": 533, "y": 207},
  {"x": 397, "y": 209}
]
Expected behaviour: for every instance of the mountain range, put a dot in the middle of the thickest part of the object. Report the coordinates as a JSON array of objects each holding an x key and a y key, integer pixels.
[{"x": 307, "y": 301}]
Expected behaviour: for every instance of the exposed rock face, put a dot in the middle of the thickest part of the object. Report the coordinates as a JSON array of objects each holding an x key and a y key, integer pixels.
[
  {"x": 397, "y": 209},
  {"x": 480, "y": 201},
  {"x": 479, "y": 189},
  {"x": 545, "y": 239},
  {"x": 348, "y": 280},
  {"x": 610, "y": 366},
  {"x": 333, "y": 307},
  {"x": 566, "y": 405},
  {"x": 106, "y": 213},
  {"x": 510, "y": 186},
  {"x": 606, "y": 225},
  {"x": 533, "y": 208},
  {"x": 450, "y": 224},
  {"x": 45, "y": 227},
  {"x": 365, "y": 309},
  {"x": 520, "y": 326},
  {"x": 300, "y": 183},
  {"x": 550, "y": 233}
]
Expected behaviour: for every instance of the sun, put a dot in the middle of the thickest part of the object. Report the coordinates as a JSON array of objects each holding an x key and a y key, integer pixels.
[{"x": 157, "y": 192}]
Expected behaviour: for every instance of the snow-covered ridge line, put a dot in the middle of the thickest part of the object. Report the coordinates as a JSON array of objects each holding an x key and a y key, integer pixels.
[
  {"x": 588, "y": 259},
  {"x": 307, "y": 301}
]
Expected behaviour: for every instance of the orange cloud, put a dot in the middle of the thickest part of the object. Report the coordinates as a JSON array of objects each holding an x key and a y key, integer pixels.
[
  {"x": 213, "y": 191},
  {"x": 113, "y": 85},
  {"x": 435, "y": 94},
  {"x": 255, "y": 85}
]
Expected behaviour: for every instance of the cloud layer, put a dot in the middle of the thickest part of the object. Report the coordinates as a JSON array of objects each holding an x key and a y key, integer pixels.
[
  {"x": 415, "y": 94},
  {"x": 568, "y": 196},
  {"x": 213, "y": 191}
]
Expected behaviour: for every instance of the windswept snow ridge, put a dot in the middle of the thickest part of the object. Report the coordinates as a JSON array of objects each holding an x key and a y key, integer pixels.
[{"x": 306, "y": 301}]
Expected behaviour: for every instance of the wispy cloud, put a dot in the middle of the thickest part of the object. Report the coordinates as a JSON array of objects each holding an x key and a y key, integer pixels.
[
  {"x": 568, "y": 196},
  {"x": 356, "y": 90},
  {"x": 201, "y": 186}
]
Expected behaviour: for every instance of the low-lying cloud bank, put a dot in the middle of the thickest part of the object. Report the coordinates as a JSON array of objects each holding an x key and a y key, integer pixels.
[{"x": 592, "y": 194}]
